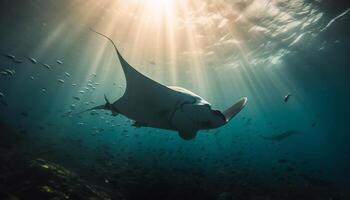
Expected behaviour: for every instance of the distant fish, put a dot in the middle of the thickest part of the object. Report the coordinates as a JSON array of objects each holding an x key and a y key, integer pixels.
[
  {"x": 43, "y": 90},
  {"x": 81, "y": 91},
  {"x": 286, "y": 98},
  {"x": 151, "y": 62},
  {"x": 2, "y": 95},
  {"x": 24, "y": 114},
  {"x": 10, "y": 56},
  {"x": 67, "y": 74},
  {"x": 94, "y": 74},
  {"x": 32, "y": 60},
  {"x": 18, "y": 61},
  {"x": 74, "y": 84},
  {"x": 59, "y": 62},
  {"x": 76, "y": 98},
  {"x": 47, "y": 66},
  {"x": 32, "y": 77},
  {"x": 60, "y": 80},
  {"x": 8, "y": 72},
  {"x": 281, "y": 136},
  {"x": 313, "y": 124}
]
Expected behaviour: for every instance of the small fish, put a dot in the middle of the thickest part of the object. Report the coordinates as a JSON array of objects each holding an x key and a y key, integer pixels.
[
  {"x": 24, "y": 114},
  {"x": 4, "y": 73},
  {"x": 59, "y": 62},
  {"x": 18, "y": 61},
  {"x": 67, "y": 74},
  {"x": 43, "y": 90},
  {"x": 81, "y": 91},
  {"x": 47, "y": 66},
  {"x": 2, "y": 95},
  {"x": 94, "y": 74},
  {"x": 151, "y": 62},
  {"x": 286, "y": 98},
  {"x": 10, "y": 72},
  {"x": 32, "y": 77},
  {"x": 76, "y": 98},
  {"x": 33, "y": 60},
  {"x": 282, "y": 161},
  {"x": 281, "y": 136},
  {"x": 60, "y": 80},
  {"x": 74, "y": 84},
  {"x": 11, "y": 56}
]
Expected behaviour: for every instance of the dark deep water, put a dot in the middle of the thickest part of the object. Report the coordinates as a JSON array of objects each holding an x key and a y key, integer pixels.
[{"x": 272, "y": 150}]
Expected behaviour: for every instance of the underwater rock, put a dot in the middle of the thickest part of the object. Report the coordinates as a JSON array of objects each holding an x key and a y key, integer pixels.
[
  {"x": 9, "y": 137},
  {"x": 39, "y": 179}
]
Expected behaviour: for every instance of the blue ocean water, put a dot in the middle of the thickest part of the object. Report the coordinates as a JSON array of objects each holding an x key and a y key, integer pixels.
[{"x": 53, "y": 67}]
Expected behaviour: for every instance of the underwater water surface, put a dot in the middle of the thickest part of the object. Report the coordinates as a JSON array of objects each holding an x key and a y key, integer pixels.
[{"x": 289, "y": 58}]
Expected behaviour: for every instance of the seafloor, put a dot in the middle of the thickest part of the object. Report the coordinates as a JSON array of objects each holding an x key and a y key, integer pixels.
[{"x": 24, "y": 175}]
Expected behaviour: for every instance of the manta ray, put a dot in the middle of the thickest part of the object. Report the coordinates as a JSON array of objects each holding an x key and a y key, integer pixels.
[{"x": 151, "y": 104}]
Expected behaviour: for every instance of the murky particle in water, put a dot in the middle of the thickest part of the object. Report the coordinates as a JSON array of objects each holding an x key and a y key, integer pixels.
[
  {"x": 32, "y": 77},
  {"x": 86, "y": 103},
  {"x": 80, "y": 123},
  {"x": 106, "y": 181},
  {"x": 97, "y": 83}
]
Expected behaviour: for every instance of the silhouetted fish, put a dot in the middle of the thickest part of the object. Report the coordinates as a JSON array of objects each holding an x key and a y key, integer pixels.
[
  {"x": 286, "y": 98},
  {"x": 281, "y": 136}
]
